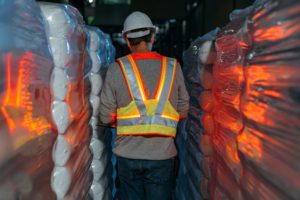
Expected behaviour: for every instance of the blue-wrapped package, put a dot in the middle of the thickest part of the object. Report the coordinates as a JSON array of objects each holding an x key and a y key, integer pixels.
[
  {"x": 199, "y": 56},
  {"x": 101, "y": 184}
]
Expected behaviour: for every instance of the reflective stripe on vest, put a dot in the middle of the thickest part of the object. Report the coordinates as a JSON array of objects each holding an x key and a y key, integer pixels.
[
  {"x": 160, "y": 122},
  {"x": 135, "y": 89}
]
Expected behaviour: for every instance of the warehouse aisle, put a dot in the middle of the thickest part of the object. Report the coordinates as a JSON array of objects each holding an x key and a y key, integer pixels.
[{"x": 239, "y": 141}]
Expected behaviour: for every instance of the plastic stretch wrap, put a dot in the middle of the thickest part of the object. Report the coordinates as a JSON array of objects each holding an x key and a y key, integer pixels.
[
  {"x": 97, "y": 50},
  {"x": 76, "y": 136},
  {"x": 197, "y": 59},
  {"x": 228, "y": 74},
  {"x": 71, "y": 113},
  {"x": 67, "y": 40},
  {"x": 269, "y": 144},
  {"x": 256, "y": 116},
  {"x": 26, "y": 131},
  {"x": 63, "y": 180}
]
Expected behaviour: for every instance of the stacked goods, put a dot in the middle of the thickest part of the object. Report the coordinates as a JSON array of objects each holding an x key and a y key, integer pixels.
[
  {"x": 70, "y": 106},
  {"x": 100, "y": 188},
  {"x": 26, "y": 132},
  {"x": 256, "y": 116},
  {"x": 207, "y": 56},
  {"x": 228, "y": 83},
  {"x": 269, "y": 144},
  {"x": 190, "y": 175}
]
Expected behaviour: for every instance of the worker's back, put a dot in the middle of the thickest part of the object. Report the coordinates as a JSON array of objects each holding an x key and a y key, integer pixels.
[{"x": 140, "y": 147}]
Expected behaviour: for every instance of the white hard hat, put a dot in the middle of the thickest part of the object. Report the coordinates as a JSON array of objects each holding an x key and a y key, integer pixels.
[{"x": 137, "y": 20}]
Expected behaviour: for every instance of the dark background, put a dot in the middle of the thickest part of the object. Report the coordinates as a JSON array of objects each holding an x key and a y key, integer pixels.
[{"x": 180, "y": 21}]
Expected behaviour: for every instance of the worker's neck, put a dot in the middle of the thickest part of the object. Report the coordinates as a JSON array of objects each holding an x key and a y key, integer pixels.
[{"x": 140, "y": 48}]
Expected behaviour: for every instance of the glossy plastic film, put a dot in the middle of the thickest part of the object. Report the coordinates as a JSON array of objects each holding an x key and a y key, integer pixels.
[
  {"x": 71, "y": 110},
  {"x": 228, "y": 75},
  {"x": 97, "y": 49},
  {"x": 268, "y": 145},
  {"x": 26, "y": 130},
  {"x": 256, "y": 101},
  {"x": 198, "y": 60}
]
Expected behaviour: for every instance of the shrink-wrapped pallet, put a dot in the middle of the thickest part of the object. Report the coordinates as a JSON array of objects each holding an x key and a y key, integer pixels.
[
  {"x": 231, "y": 46},
  {"x": 97, "y": 50},
  {"x": 26, "y": 130},
  {"x": 198, "y": 60},
  {"x": 269, "y": 143},
  {"x": 71, "y": 112}
]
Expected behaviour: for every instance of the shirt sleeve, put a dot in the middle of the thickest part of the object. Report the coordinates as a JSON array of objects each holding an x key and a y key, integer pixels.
[
  {"x": 108, "y": 103},
  {"x": 183, "y": 96}
]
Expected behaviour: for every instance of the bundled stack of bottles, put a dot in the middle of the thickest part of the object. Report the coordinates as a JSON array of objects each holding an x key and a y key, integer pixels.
[
  {"x": 100, "y": 188},
  {"x": 51, "y": 77},
  {"x": 252, "y": 112},
  {"x": 70, "y": 106}
]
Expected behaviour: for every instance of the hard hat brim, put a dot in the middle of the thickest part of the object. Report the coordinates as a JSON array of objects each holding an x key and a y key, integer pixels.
[{"x": 139, "y": 33}]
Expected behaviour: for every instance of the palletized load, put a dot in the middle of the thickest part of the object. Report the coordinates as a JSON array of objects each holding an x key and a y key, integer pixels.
[
  {"x": 70, "y": 107},
  {"x": 227, "y": 89},
  {"x": 256, "y": 117},
  {"x": 198, "y": 60},
  {"x": 97, "y": 49},
  {"x": 26, "y": 130},
  {"x": 269, "y": 143}
]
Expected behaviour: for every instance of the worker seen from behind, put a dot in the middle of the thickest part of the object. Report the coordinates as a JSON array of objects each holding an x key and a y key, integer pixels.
[{"x": 145, "y": 96}]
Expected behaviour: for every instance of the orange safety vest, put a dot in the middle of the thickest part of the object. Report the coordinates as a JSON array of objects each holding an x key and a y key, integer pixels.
[{"x": 147, "y": 117}]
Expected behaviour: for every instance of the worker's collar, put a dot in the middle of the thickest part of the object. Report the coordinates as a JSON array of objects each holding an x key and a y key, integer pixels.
[{"x": 146, "y": 55}]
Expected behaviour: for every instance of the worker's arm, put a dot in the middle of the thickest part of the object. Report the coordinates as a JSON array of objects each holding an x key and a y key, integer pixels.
[
  {"x": 108, "y": 103},
  {"x": 183, "y": 96}
]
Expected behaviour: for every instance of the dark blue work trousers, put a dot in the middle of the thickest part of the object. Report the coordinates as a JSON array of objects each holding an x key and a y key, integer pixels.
[{"x": 146, "y": 179}]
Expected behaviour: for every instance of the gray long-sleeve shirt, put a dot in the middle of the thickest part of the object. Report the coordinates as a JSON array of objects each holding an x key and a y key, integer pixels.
[{"x": 115, "y": 94}]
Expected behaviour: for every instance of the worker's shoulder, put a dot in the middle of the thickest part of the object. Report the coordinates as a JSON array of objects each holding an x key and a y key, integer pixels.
[
  {"x": 174, "y": 61},
  {"x": 113, "y": 67},
  {"x": 170, "y": 58},
  {"x": 114, "y": 70}
]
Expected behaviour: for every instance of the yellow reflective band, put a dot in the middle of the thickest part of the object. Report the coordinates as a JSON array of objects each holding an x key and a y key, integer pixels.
[
  {"x": 130, "y": 110},
  {"x": 148, "y": 129},
  {"x": 138, "y": 77},
  {"x": 163, "y": 78},
  {"x": 128, "y": 116},
  {"x": 170, "y": 117}
]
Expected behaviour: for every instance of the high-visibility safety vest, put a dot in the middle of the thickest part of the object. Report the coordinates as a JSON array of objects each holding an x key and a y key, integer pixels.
[{"x": 147, "y": 117}]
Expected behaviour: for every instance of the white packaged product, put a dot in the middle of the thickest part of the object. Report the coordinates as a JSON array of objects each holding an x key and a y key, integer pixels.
[
  {"x": 62, "y": 151},
  {"x": 97, "y": 191},
  {"x": 60, "y": 49},
  {"x": 207, "y": 53},
  {"x": 95, "y": 103},
  {"x": 96, "y": 61},
  {"x": 94, "y": 122},
  {"x": 94, "y": 40},
  {"x": 95, "y": 131},
  {"x": 65, "y": 33},
  {"x": 59, "y": 83},
  {"x": 61, "y": 115},
  {"x": 97, "y": 147},
  {"x": 60, "y": 181},
  {"x": 96, "y": 82},
  {"x": 98, "y": 168},
  {"x": 59, "y": 20}
]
